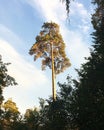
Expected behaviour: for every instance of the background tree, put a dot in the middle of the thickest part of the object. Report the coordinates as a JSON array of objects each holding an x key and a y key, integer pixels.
[
  {"x": 67, "y": 2},
  {"x": 5, "y": 81},
  {"x": 11, "y": 114},
  {"x": 32, "y": 119},
  {"x": 56, "y": 115},
  {"x": 50, "y": 46},
  {"x": 87, "y": 102},
  {"x": 64, "y": 96},
  {"x": 43, "y": 109}
]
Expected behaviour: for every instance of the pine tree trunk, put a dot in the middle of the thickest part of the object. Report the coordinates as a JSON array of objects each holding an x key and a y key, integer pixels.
[{"x": 53, "y": 75}]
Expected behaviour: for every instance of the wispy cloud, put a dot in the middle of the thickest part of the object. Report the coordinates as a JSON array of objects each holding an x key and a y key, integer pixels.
[
  {"x": 55, "y": 11},
  {"x": 49, "y": 10},
  {"x": 10, "y": 36},
  {"x": 73, "y": 33},
  {"x": 28, "y": 77},
  {"x": 31, "y": 80},
  {"x": 78, "y": 8},
  {"x": 14, "y": 40},
  {"x": 24, "y": 71},
  {"x": 76, "y": 46},
  {"x": 7, "y": 10},
  {"x": 80, "y": 17}
]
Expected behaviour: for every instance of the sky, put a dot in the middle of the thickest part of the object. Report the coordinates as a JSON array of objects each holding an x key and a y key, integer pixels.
[{"x": 20, "y": 23}]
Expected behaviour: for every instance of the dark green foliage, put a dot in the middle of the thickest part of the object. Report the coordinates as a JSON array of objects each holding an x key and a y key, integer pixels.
[
  {"x": 67, "y": 2},
  {"x": 87, "y": 106},
  {"x": 5, "y": 79},
  {"x": 65, "y": 89},
  {"x": 32, "y": 119},
  {"x": 57, "y": 114}
]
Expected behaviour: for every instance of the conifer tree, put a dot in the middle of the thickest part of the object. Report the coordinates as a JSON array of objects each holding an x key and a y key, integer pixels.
[
  {"x": 50, "y": 47},
  {"x": 87, "y": 102}
]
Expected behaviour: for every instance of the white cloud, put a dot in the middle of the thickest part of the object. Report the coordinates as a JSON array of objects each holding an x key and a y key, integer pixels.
[
  {"x": 84, "y": 28},
  {"x": 11, "y": 37},
  {"x": 80, "y": 16},
  {"x": 76, "y": 45},
  {"x": 30, "y": 80},
  {"x": 78, "y": 49},
  {"x": 50, "y": 10},
  {"x": 79, "y": 10}
]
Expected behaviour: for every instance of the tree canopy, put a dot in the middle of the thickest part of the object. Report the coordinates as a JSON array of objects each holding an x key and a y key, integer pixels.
[
  {"x": 5, "y": 78},
  {"x": 88, "y": 99},
  {"x": 49, "y": 38}
]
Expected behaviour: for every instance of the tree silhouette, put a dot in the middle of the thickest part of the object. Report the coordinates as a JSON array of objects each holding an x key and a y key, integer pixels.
[
  {"x": 50, "y": 46},
  {"x": 11, "y": 114},
  {"x": 5, "y": 79},
  {"x": 67, "y": 3},
  {"x": 87, "y": 104}
]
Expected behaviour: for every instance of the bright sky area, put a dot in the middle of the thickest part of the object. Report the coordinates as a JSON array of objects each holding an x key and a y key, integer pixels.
[{"x": 20, "y": 23}]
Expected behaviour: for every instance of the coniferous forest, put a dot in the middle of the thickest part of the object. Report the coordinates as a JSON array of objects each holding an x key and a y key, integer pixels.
[{"x": 78, "y": 104}]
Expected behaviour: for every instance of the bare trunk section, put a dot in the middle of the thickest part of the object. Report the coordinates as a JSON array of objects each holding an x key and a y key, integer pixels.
[{"x": 53, "y": 75}]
